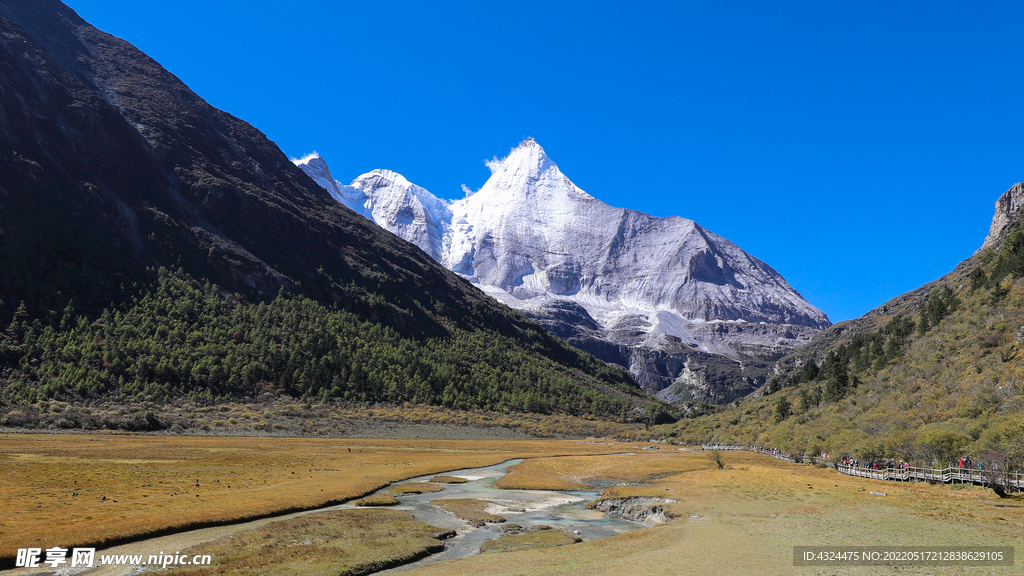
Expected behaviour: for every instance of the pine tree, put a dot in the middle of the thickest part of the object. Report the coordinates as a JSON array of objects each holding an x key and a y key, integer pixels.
[{"x": 783, "y": 409}]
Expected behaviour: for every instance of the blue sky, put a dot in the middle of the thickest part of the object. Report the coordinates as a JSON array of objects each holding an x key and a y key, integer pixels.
[{"x": 856, "y": 148}]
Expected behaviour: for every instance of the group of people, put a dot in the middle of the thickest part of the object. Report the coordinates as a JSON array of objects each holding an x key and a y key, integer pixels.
[
  {"x": 965, "y": 463},
  {"x": 772, "y": 451},
  {"x": 874, "y": 464},
  {"x": 782, "y": 454}
]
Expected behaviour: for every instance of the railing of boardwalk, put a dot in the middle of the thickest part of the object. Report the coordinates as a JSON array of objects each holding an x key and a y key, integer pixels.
[{"x": 1013, "y": 481}]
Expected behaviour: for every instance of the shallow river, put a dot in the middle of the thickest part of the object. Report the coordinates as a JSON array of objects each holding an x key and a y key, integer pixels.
[{"x": 563, "y": 510}]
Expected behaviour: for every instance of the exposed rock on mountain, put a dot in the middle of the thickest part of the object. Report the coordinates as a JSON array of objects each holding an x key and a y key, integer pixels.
[
  {"x": 1009, "y": 209},
  {"x": 616, "y": 282},
  {"x": 391, "y": 201}
]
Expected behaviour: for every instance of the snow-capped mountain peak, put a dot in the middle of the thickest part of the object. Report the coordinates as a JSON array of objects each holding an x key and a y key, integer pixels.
[
  {"x": 317, "y": 169},
  {"x": 535, "y": 241},
  {"x": 532, "y": 233},
  {"x": 528, "y": 170}
]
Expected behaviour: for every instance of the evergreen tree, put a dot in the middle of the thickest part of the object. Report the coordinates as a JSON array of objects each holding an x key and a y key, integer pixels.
[
  {"x": 808, "y": 372},
  {"x": 783, "y": 409}
]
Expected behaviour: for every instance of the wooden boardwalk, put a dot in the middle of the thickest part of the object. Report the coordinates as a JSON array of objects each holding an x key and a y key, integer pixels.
[{"x": 1014, "y": 481}]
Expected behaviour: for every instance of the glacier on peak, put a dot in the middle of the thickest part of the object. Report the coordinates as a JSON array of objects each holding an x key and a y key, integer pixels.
[{"x": 533, "y": 240}]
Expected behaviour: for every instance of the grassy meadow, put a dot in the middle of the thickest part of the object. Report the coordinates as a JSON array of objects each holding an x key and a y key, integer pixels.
[
  {"x": 746, "y": 518},
  {"x": 79, "y": 490},
  {"x": 743, "y": 519},
  {"x": 333, "y": 542}
]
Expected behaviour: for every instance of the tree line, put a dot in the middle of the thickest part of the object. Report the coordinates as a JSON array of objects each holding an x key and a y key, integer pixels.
[{"x": 184, "y": 338}]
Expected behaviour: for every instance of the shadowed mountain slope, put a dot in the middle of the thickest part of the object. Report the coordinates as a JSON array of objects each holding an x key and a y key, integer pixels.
[{"x": 110, "y": 168}]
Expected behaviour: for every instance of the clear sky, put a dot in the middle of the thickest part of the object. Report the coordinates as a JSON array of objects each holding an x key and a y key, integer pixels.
[{"x": 857, "y": 148}]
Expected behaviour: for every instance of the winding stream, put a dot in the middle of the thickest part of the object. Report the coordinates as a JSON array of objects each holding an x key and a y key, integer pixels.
[
  {"x": 564, "y": 510},
  {"x": 560, "y": 509}
]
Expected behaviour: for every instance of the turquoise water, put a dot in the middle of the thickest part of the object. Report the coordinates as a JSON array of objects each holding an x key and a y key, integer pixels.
[{"x": 561, "y": 509}]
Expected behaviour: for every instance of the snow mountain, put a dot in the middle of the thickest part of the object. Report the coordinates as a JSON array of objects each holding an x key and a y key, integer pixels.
[
  {"x": 688, "y": 312},
  {"x": 389, "y": 200}
]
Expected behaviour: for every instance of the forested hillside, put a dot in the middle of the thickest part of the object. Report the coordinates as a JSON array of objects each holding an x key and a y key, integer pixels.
[
  {"x": 929, "y": 385},
  {"x": 186, "y": 339}
]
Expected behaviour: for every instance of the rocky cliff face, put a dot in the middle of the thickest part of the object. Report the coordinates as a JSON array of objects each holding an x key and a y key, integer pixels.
[
  {"x": 1009, "y": 209},
  {"x": 652, "y": 294},
  {"x": 532, "y": 233}
]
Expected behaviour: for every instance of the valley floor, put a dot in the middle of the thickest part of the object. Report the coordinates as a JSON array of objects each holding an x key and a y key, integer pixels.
[{"x": 78, "y": 490}]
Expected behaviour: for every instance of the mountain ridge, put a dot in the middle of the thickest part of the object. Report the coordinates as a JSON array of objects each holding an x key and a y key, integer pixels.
[
  {"x": 928, "y": 376},
  {"x": 523, "y": 176},
  {"x": 1007, "y": 217},
  {"x": 123, "y": 194}
]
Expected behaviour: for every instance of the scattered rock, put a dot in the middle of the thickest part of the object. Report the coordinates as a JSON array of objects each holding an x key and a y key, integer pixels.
[{"x": 647, "y": 509}]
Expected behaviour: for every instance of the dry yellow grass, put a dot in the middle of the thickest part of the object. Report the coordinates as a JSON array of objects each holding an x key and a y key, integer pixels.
[
  {"x": 417, "y": 488},
  {"x": 376, "y": 500},
  {"x": 535, "y": 538},
  {"x": 469, "y": 509},
  {"x": 742, "y": 520},
  {"x": 746, "y": 519},
  {"x": 581, "y": 473},
  {"x": 79, "y": 490},
  {"x": 337, "y": 542}
]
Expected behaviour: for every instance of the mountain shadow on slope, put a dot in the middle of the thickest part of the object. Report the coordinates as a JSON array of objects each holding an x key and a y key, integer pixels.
[{"x": 112, "y": 168}]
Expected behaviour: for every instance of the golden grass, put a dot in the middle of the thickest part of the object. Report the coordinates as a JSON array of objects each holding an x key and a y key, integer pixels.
[
  {"x": 80, "y": 490},
  {"x": 335, "y": 542},
  {"x": 377, "y": 500},
  {"x": 530, "y": 539},
  {"x": 416, "y": 488},
  {"x": 449, "y": 479},
  {"x": 469, "y": 509},
  {"x": 581, "y": 473},
  {"x": 746, "y": 518},
  {"x": 741, "y": 520}
]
